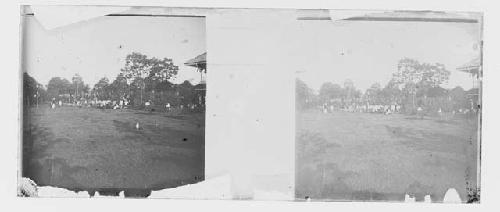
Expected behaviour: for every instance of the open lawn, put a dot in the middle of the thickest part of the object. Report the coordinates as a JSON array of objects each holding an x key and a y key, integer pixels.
[
  {"x": 97, "y": 149},
  {"x": 371, "y": 157}
]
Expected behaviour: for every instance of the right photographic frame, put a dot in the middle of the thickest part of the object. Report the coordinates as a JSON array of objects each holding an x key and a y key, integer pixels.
[{"x": 388, "y": 106}]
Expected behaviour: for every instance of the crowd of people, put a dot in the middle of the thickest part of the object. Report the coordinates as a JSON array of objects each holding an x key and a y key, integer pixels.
[
  {"x": 387, "y": 109},
  {"x": 125, "y": 103},
  {"x": 361, "y": 108}
]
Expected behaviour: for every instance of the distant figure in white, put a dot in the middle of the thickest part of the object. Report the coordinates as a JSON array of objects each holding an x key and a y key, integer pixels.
[
  {"x": 388, "y": 111},
  {"x": 147, "y": 104},
  {"x": 420, "y": 112},
  {"x": 167, "y": 106},
  {"x": 325, "y": 108},
  {"x": 409, "y": 198},
  {"x": 427, "y": 199},
  {"x": 60, "y": 103},
  {"x": 53, "y": 103}
]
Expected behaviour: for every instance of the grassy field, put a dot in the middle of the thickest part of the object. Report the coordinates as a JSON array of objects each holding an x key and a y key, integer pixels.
[
  {"x": 96, "y": 149},
  {"x": 372, "y": 157}
]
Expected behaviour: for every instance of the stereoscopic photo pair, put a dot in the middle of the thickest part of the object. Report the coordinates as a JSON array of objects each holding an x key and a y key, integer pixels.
[{"x": 259, "y": 104}]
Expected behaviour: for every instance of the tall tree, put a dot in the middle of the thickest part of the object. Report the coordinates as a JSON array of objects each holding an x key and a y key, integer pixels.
[
  {"x": 77, "y": 86},
  {"x": 349, "y": 89},
  {"x": 58, "y": 86},
  {"x": 33, "y": 92},
  {"x": 414, "y": 75},
  {"x": 459, "y": 97},
  {"x": 141, "y": 71},
  {"x": 101, "y": 90},
  {"x": 374, "y": 94},
  {"x": 329, "y": 91},
  {"x": 119, "y": 88},
  {"x": 391, "y": 93},
  {"x": 186, "y": 92},
  {"x": 303, "y": 94}
]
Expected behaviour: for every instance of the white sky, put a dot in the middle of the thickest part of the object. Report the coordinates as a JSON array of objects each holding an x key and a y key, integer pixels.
[
  {"x": 92, "y": 48},
  {"x": 368, "y": 51},
  {"x": 363, "y": 51}
]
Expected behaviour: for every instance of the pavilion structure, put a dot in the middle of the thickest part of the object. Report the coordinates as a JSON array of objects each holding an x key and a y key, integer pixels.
[
  {"x": 200, "y": 63},
  {"x": 473, "y": 67}
]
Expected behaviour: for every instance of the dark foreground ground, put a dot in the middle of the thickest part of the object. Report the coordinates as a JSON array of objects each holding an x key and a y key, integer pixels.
[
  {"x": 96, "y": 149},
  {"x": 374, "y": 157}
]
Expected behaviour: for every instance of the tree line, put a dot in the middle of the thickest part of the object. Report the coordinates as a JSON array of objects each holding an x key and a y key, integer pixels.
[
  {"x": 142, "y": 79},
  {"x": 413, "y": 85}
]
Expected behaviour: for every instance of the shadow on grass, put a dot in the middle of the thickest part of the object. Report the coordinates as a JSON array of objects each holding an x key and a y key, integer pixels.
[{"x": 46, "y": 169}]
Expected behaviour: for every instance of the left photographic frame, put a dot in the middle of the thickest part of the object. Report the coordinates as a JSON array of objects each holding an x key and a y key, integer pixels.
[{"x": 113, "y": 100}]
